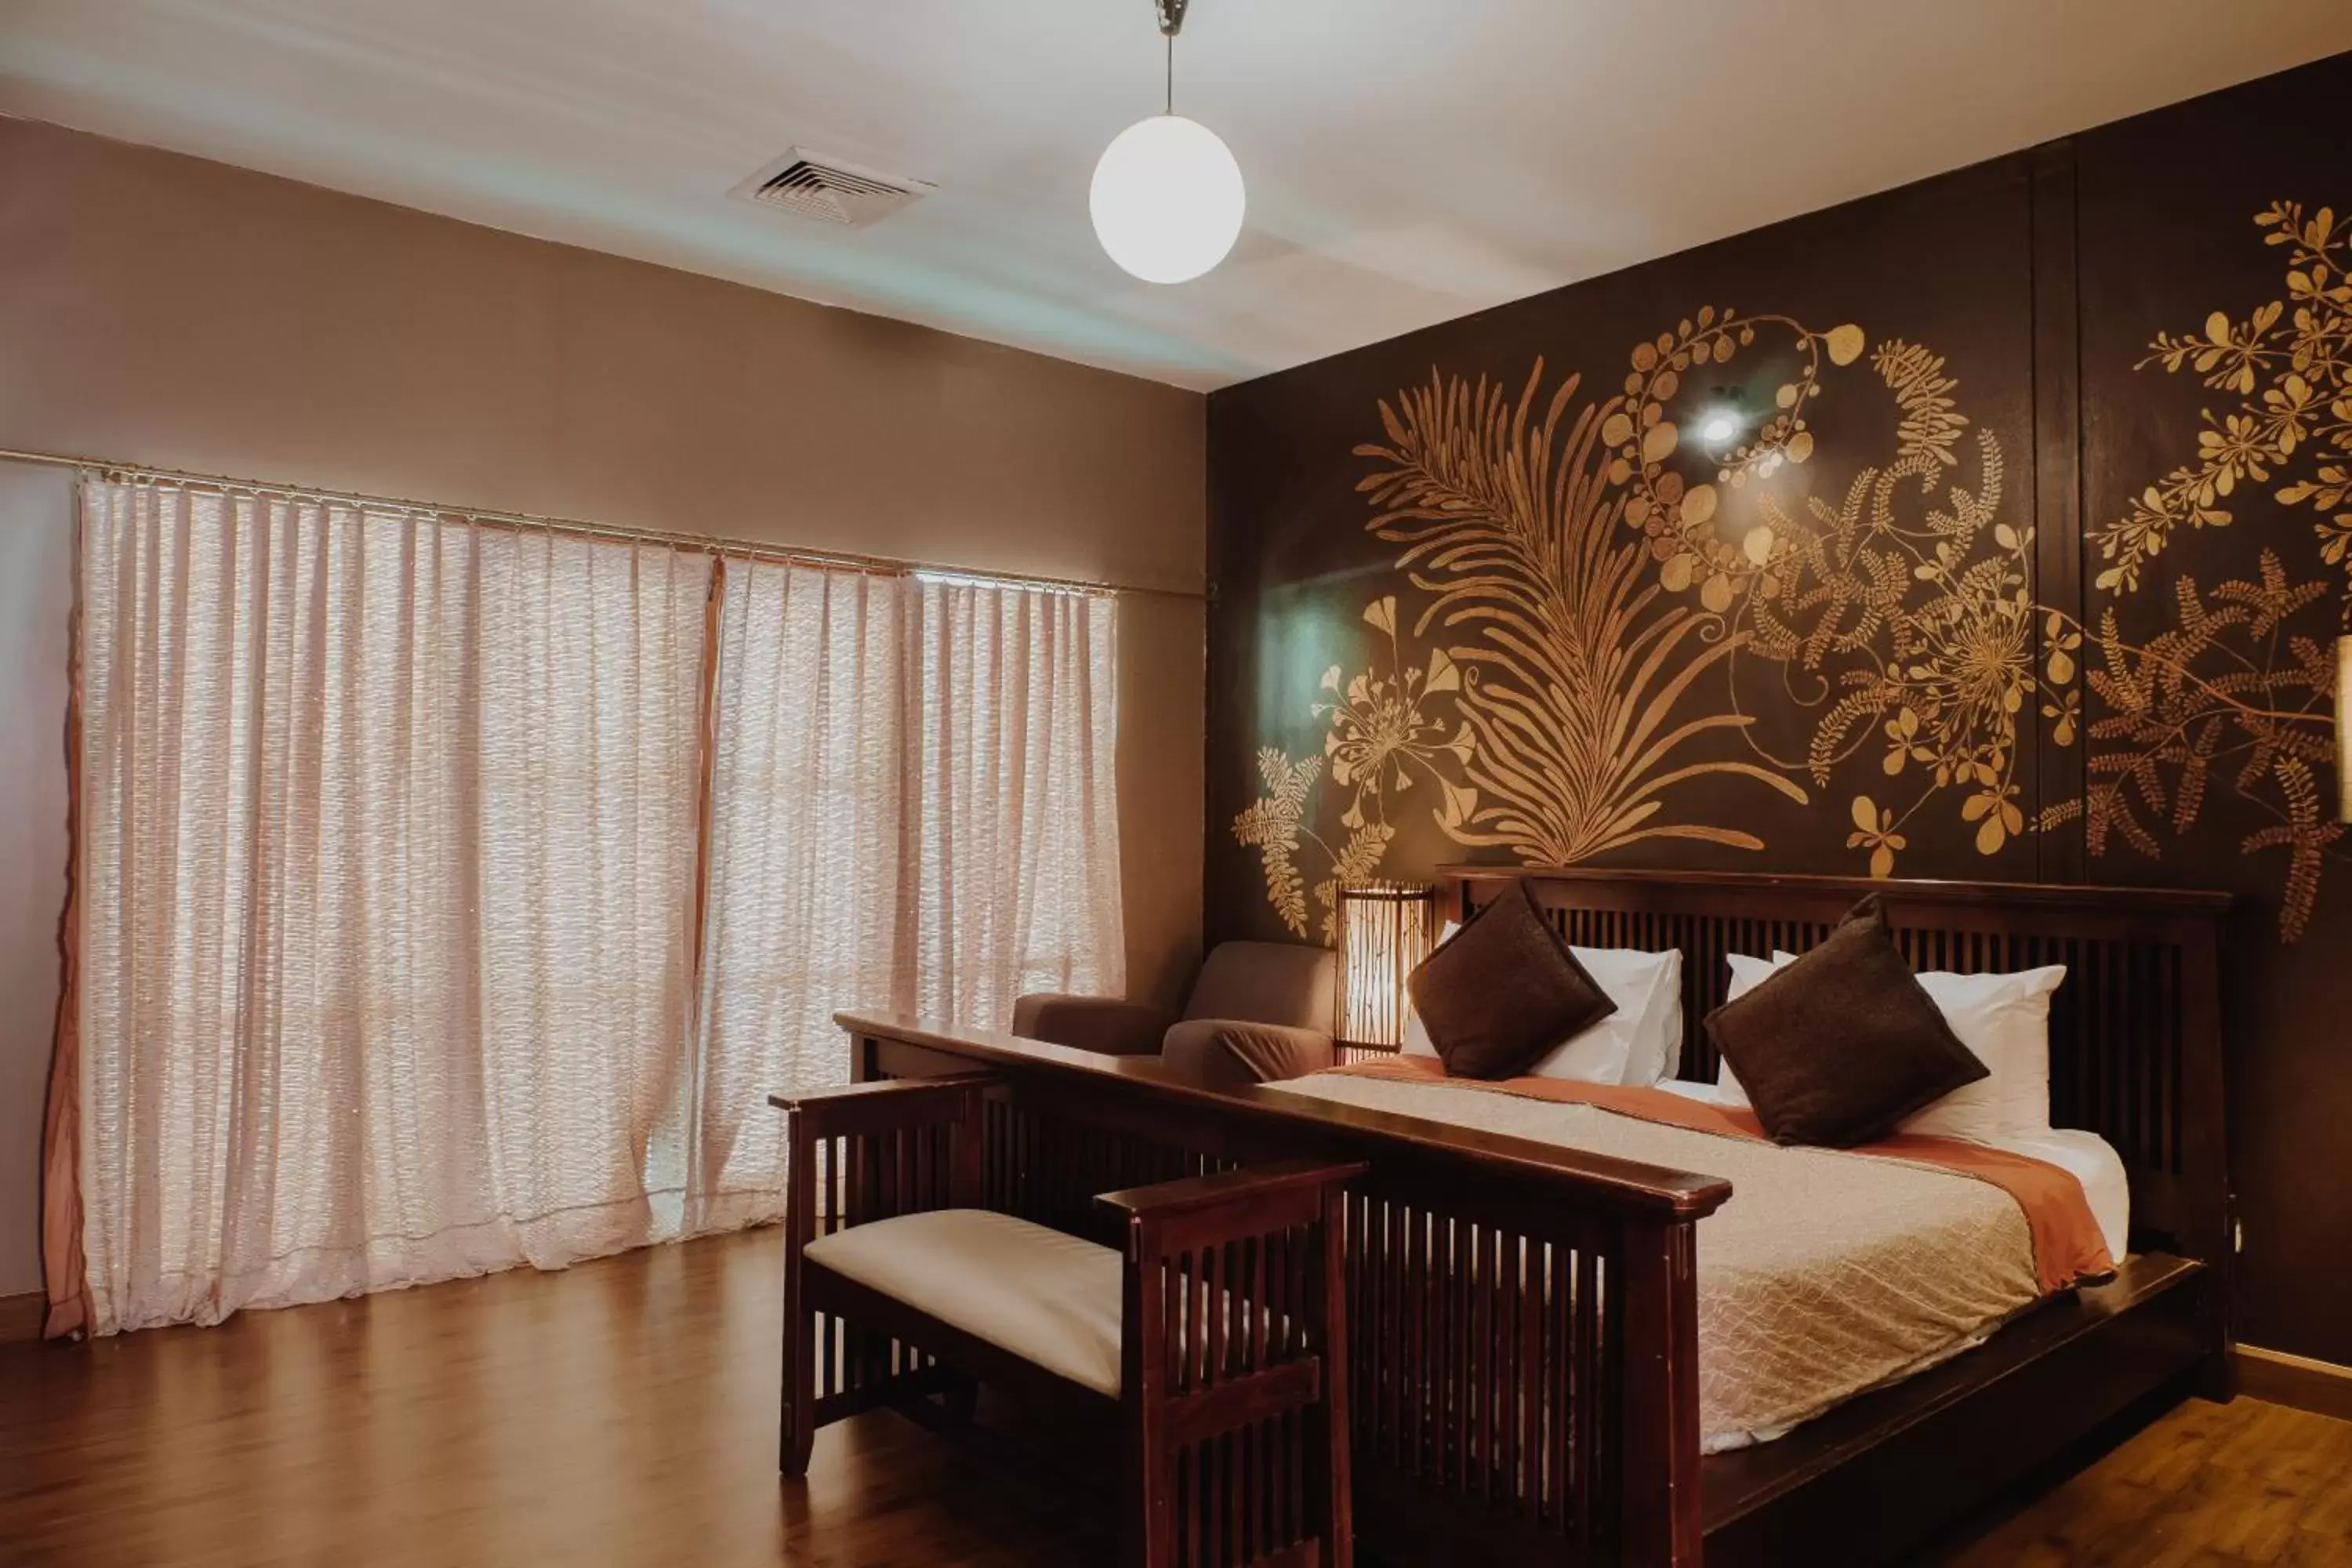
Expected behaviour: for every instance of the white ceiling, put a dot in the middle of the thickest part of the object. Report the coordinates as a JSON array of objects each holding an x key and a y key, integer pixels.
[{"x": 1408, "y": 161}]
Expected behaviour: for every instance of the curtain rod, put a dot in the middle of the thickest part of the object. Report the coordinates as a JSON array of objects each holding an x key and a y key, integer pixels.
[{"x": 738, "y": 549}]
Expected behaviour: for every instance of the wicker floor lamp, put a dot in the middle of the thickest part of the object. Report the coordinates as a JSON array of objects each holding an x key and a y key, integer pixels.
[{"x": 1386, "y": 928}]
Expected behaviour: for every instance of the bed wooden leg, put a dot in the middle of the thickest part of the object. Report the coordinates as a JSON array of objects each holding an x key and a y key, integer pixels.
[
  {"x": 961, "y": 1399},
  {"x": 1327, "y": 1465},
  {"x": 1660, "y": 1438},
  {"x": 2216, "y": 1377}
]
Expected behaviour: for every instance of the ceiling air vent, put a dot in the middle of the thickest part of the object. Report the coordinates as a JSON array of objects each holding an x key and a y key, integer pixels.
[{"x": 810, "y": 185}]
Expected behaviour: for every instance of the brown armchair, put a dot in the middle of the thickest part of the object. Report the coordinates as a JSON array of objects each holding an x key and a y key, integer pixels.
[{"x": 1259, "y": 1011}]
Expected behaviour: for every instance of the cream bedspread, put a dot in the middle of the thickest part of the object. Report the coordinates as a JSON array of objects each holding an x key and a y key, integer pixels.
[{"x": 1826, "y": 1274}]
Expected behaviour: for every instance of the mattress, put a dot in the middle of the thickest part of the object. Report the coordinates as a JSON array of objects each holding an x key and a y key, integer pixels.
[
  {"x": 2086, "y": 1156},
  {"x": 1828, "y": 1273}
]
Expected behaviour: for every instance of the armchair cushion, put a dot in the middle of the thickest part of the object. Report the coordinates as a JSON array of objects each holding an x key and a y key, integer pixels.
[
  {"x": 1090, "y": 1022},
  {"x": 1267, "y": 982},
  {"x": 1228, "y": 1053}
]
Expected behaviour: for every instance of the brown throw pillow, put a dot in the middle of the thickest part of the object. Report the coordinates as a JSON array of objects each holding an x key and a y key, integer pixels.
[
  {"x": 1504, "y": 990},
  {"x": 1837, "y": 1047}
]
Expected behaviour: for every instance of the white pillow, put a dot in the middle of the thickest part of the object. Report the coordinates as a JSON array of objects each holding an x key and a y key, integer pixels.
[
  {"x": 1746, "y": 974},
  {"x": 2003, "y": 1019},
  {"x": 1649, "y": 988},
  {"x": 1417, "y": 1042},
  {"x": 1639, "y": 1043}
]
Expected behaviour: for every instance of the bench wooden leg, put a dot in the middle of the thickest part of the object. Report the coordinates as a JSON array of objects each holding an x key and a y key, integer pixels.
[
  {"x": 797, "y": 1431},
  {"x": 1147, "y": 1477},
  {"x": 1234, "y": 1368}
]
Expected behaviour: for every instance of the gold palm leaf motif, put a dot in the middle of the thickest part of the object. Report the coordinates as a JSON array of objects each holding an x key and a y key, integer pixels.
[{"x": 1509, "y": 517}]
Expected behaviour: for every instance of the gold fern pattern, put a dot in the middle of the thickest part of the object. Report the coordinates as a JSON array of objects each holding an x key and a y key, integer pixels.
[
  {"x": 1908, "y": 632},
  {"x": 2227, "y": 694},
  {"x": 1273, "y": 824},
  {"x": 1931, "y": 420},
  {"x": 2238, "y": 691}
]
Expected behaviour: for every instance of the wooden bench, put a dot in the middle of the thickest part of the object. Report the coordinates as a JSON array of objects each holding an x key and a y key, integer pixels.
[{"x": 1214, "y": 1337}]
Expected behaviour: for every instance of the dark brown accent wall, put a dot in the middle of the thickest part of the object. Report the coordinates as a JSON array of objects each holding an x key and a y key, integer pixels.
[{"x": 2022, "y": 558}]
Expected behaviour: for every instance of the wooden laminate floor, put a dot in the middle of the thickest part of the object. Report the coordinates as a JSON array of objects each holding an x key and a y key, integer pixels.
[
  {"x": 2206, "y": 1485},
  {"x": 623, "y": 1413}
]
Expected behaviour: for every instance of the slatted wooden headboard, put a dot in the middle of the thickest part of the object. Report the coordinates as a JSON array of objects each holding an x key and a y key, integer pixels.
[{"x": 2136, "y": 1032}]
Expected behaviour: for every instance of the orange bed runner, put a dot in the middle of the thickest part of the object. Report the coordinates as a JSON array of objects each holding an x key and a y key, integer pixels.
[{"x": 2067, "y": 1246}]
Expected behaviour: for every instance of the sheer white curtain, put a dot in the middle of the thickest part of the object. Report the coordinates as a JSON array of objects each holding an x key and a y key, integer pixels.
[
  {"x": 1011, "y": 873},
  {"x": 807, "y": 817},
  {"x": 913, "y": 808},
  {"x": 394, "y": 833},
  {"x": 387, "y": 838}
]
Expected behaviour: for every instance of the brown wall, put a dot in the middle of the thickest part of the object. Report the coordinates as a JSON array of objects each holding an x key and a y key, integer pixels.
[
  {"x": 165, "y": 310},
  {"x": 1986, "y": 347}
]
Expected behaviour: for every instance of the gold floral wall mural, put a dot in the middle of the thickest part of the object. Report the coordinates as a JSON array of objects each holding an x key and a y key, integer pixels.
[
  {"x": 1591, "y": 635},
  {"x": 1578, "y": 592},
  {"x": 2003, "y": 531},
  {"x": 2237, "y": 691},
  {"x": 1383, "y": 734}
]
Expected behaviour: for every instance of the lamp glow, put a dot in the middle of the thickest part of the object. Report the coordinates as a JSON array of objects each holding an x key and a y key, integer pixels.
[
  {"x": 1384, "y": 931},
  {"x": 1719, "y": 428},
  {"x": 1166, "y": 199}
]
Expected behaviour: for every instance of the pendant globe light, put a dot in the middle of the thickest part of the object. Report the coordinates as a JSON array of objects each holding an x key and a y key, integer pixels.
[{"x": 1167, "y": 198}]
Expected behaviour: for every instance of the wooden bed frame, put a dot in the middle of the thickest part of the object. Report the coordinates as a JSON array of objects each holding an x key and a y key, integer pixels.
[{"x": 1525, "y": 1379}]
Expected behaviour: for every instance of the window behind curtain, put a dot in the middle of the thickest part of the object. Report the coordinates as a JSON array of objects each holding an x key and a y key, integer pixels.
[
  {"x": 807, "y": 818},
  {"x": 385, "y": 861},
  {"x": 913, "y": 808},
  {"x": 1012, "y": 874},
  {"x": 393, "y": 832}
]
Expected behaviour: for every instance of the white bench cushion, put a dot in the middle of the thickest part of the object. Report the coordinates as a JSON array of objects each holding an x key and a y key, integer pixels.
[{"x": 1048, "y": 1298}]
